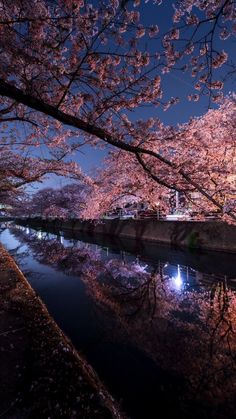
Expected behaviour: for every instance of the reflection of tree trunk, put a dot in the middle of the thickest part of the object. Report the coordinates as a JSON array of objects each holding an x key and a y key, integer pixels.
[{"x": 199, "y": 277}]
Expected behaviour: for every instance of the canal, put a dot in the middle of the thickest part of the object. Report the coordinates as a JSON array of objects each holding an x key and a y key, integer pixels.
[{"x": 157, "y": 324}]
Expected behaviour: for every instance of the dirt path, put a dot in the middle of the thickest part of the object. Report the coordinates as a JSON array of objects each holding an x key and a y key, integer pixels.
[{"x": 42, "y": 375}]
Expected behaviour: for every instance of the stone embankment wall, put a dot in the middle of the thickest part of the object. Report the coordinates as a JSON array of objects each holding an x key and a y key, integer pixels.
[{"x": 211, "y": 235}]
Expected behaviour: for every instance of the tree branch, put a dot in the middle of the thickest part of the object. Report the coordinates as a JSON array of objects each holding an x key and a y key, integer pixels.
[{"x": 28, "y": 100}]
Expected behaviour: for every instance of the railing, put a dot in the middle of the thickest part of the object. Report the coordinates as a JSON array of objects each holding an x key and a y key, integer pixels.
[{"x": 157, "y": 215}]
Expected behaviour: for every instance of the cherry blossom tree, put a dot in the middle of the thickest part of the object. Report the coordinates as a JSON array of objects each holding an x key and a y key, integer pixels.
[
  {"x": 86, "y": 66},
  {"x": 208, "y": 167},
  {"x": 17, "y": 170},
  {"x": 66, "y": 202}
]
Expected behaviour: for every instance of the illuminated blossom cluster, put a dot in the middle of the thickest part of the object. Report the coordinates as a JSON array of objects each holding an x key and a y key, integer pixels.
[
  {"x": 206, "y": 171},
  {"x": 66, "y": 202},
  {"x": 69, "y": 70}
]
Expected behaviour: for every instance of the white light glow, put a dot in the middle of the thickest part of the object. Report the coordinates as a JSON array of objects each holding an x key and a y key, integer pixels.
[
  {"x": 178, "y": 281},
  {"x": 39, "y": 234}
]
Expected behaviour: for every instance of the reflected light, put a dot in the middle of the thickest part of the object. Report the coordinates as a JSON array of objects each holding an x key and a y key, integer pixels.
[
  {"x": 178, "y": 282},
  {"x": 39, "y": 234},
  {"x": 27, "y": 230}
]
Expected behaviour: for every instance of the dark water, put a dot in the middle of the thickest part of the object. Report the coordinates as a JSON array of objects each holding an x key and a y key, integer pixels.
[{"x": 157, "y": 324}]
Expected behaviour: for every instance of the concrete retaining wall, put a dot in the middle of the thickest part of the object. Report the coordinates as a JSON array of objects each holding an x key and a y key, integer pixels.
[{"x": 210, "y": 235}]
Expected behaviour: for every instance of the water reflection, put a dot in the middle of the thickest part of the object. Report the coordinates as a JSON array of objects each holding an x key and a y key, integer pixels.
[
  {"x": 182, "y": 319},
  {"x": 181, "y": 276},
  {"x": 178, "y": 280}
]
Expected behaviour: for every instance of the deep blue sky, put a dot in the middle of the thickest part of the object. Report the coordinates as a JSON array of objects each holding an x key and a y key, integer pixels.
[{"x": 174, "y": 84}]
